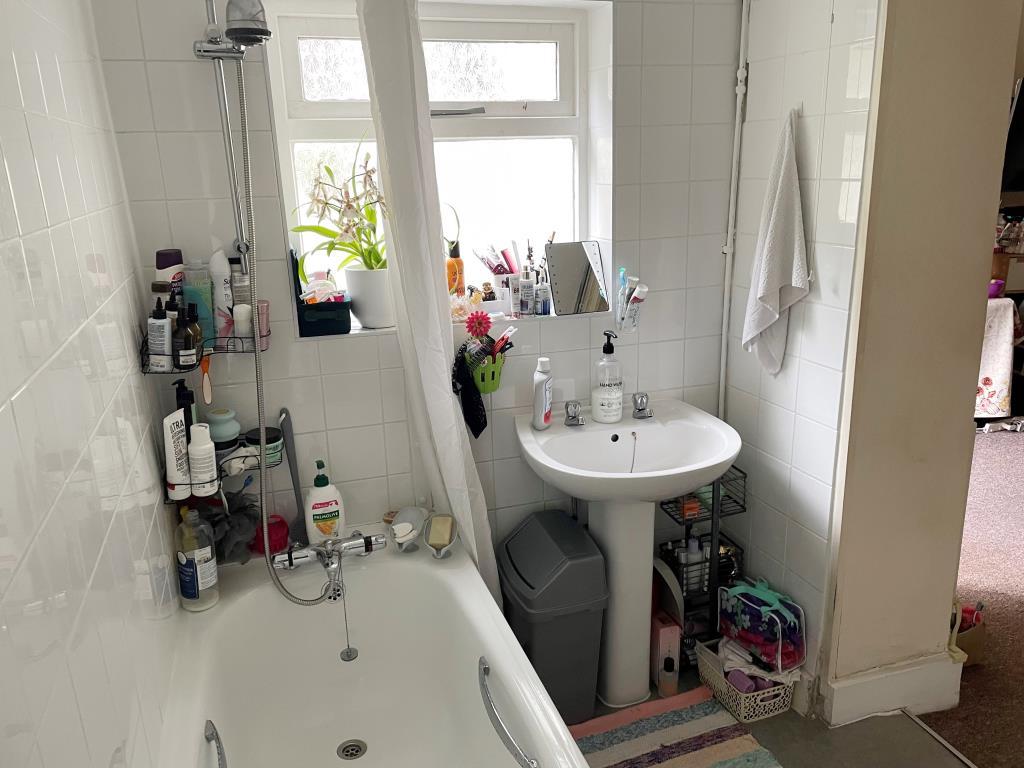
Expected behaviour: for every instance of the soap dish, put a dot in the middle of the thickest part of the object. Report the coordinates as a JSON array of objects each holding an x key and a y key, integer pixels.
[
  {"x": 411, "y": 516},
  {"x": 437, "y": 549}
]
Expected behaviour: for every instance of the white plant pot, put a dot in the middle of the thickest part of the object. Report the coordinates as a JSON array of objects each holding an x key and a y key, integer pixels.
[{"x": 371, "y": 297}]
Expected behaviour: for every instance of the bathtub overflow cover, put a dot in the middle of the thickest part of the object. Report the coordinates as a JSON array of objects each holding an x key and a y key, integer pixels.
[{"x": 352, "y": 749}]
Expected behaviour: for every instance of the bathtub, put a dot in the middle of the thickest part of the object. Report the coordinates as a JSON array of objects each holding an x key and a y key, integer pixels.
[{"x": 269, "y": 676}]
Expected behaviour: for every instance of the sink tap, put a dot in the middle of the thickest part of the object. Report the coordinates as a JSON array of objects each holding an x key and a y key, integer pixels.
[
  {"x": 329, "y": 554},
  {"x": 574, "y": 414},
  {"x": 640, "y": 409}
]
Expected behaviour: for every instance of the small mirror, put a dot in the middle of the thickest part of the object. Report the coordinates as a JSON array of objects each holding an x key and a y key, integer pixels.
[{"x": 578, "y": 284}]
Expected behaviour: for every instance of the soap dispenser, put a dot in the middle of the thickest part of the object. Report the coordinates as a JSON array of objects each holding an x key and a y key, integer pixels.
[{"x": 606, "y": 398}]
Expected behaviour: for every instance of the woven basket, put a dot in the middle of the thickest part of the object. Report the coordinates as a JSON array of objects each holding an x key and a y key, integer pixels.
[{"x": 745, "y": 707}]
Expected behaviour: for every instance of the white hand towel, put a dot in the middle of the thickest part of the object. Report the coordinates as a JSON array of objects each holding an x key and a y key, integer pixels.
[{"x": 779, "y": 278}]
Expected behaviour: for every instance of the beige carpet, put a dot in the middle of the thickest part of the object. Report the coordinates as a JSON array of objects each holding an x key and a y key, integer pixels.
[{"x": 987, "y": 725}]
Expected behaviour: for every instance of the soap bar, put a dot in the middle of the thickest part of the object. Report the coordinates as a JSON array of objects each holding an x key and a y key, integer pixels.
[{"x": 440, "y": 532}]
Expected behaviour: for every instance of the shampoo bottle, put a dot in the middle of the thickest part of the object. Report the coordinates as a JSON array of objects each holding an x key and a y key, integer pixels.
[
  {"x": 323, "y": 507},
  {"x": 606, "y": 399},
  {"x": 197, "y": 562},
  {"x": 526, "y": 293},
  {"x": 542, "y": 394},
  {"x": 220, "y": 276},
  {"x": 158, "y": 328},
  {"x": 202, "y": 462},
  {"x": 176, "y": 456}
]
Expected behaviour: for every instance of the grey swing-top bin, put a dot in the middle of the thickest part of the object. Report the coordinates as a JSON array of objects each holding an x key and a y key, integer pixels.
[{"x": 553, "y": 581}]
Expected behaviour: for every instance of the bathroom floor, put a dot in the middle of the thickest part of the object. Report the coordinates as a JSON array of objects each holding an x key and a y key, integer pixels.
[{"x": 895, "y": 741}]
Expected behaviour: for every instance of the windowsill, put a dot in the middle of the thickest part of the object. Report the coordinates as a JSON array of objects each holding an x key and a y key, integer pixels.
[{"x": 459, "y": 325}]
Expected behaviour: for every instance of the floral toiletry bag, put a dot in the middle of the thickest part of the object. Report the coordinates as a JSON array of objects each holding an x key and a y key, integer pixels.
[{"x": 765, "y": 622}]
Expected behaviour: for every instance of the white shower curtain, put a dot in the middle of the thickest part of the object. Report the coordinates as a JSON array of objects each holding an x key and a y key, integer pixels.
[{"x": 405, "y": 145}]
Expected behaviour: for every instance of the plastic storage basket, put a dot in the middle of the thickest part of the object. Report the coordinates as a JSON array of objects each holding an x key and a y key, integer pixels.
[{"x": 745, "y": 707}]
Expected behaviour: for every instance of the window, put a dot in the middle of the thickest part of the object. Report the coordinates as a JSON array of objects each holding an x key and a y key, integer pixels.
[{"x": 512, "y": 174}]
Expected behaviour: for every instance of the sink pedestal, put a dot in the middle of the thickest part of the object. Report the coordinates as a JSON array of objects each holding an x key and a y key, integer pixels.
[{"x": 624, "y": 530}]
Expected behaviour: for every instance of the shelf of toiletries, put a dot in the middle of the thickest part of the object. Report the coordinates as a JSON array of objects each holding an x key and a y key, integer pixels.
[
  {"x": 690, "y": 561},
  {"x": 189, "y": 359},
  {"x": 200, "y": 309},
  {"x": 697, "y": 507}
]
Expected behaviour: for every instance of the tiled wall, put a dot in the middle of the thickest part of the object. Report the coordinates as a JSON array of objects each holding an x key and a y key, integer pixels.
[
  {"x": 800, "y": 58},
  {"x": 673, "y": 80},
  {"x": 87, "y": 612}
]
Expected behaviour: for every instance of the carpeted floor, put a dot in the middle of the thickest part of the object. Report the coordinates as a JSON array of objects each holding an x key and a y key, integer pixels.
[{"x": 986, "y": 727}]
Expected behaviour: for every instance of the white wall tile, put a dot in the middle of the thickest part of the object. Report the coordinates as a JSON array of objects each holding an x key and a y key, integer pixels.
[
  {"x": 854, "y": 20},
  {"x": 768, "y": 29},
  {"x": 667, "y": 34},
  {"x": 818, "y": 393},
  {"x": 515, "y": 483},
  {"x": 128, "y": 91},
  {"x": 714, "y": 94},
  {"x": 628, "y": 97},
  {"x": 664, "y": 210},
  {"x": 663, "y": 263},
  {"x": 705, "y": 264},
  {"x": 665, "y": 97},
  {"x": 703, "y": 312},
  {"x": 710, "y": 149},
  {"x": 709, "y": 207},
  {"x": 775, "y": 431},
  {"x": 665, "y": 153},
  {"x": 768, "y": 530},
  {"x": 823, "y": 335},
  {"x": 701, "y": 362},
  {"x": 806, "y": 555},
  {"x": 357, "y": 453},
  {"x": 849, "y": 77},
  {"x": 117, "y": 29},
  {"x": 814, "y": 449},
  {"x": 809, "y": 22},
  {"x": 565, "y": 333},
  {"x": 143, "y": 175},
  {"x": 766, "y": 85},
  {"x": 715, "y": 33},
  {"x": 660, "y": 365},
  {"x": 627, "y": 33},
  {"x": 664, "y": 316},
  {"x": 811, "y": 502}
]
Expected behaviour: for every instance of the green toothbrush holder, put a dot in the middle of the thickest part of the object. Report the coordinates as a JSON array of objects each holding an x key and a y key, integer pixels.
[{"x": 487, "y": 376}]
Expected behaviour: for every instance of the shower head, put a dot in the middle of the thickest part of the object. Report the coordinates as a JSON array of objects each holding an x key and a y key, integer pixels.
[{"x": 246, "y": 23}]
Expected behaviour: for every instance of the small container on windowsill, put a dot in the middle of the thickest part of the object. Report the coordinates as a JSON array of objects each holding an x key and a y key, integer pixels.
[{"x": 327, "y": 318}]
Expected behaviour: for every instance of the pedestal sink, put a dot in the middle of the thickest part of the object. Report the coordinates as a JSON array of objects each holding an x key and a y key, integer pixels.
[{"x": 623, "y": 470}]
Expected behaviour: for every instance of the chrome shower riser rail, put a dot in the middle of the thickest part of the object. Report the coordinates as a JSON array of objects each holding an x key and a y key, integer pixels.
[{"x": 216, "y": 48}]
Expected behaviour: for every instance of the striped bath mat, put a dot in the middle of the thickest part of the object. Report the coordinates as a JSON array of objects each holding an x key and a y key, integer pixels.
[{"x": 691, "y": 730}]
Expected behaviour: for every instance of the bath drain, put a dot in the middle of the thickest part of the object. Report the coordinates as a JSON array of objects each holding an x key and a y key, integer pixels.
[{"x": 352, "y": 749}]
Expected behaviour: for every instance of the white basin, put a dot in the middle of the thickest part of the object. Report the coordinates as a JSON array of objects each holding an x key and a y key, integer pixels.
[
  {"x": 677, "y": 451},
  {"x": 623, "y": 470}
]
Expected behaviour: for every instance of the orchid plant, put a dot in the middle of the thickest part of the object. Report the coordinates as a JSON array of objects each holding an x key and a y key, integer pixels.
[{"x": 350, "y": 216}]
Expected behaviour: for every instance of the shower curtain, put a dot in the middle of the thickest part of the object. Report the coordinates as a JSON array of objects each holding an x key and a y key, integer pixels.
[{"x": 393, "y": 51}]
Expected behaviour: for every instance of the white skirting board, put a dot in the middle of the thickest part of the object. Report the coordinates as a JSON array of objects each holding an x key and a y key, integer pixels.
[{"x": 928, "y": 684}]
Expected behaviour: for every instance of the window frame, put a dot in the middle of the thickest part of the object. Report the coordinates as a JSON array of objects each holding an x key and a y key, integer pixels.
[{"x": 351, "y": 121}]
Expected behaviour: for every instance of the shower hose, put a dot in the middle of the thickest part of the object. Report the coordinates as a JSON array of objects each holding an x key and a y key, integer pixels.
[{"x": 260, "y": 332}]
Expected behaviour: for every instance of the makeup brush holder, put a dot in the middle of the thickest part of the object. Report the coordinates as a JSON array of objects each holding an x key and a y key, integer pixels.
[{"x": 487, "y": 375}]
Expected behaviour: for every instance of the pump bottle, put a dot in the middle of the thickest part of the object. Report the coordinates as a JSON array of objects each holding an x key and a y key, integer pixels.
[{"x": 606, "y": 397}]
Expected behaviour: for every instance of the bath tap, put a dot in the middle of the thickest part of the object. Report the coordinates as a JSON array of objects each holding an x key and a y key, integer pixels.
[{"x": 329, "y": 554}]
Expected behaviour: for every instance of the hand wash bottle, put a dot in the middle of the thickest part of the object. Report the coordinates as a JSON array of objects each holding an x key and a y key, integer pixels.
[
  {"x": 606, "y": 398},
  {"x": 324, "y": 510}
]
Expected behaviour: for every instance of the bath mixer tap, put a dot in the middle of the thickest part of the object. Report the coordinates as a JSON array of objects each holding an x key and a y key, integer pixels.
[{"x": 329, "y": 554}]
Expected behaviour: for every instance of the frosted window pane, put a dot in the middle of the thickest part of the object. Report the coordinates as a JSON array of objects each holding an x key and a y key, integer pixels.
[
  {"x": 491, "y": 71},
  {"x": 503, "y": 190},
  {"x": 333, "y": 69}
]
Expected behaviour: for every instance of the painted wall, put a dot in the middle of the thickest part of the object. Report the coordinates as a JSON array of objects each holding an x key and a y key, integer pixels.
[
  {"x": 814, "y": 56},
  {"x": 87, "y": 604},
  {"x": 667, "y": 201},
  {"x": 905, "y": 475}
]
